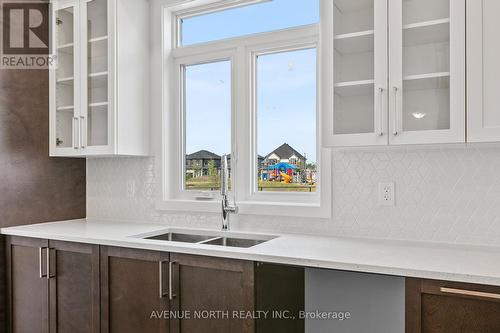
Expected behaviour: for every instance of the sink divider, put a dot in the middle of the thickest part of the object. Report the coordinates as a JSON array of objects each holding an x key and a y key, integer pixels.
[{"x": 209, "y": 240}]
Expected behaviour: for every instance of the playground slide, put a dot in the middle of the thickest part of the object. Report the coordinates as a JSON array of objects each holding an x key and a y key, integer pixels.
[{"x": 287, "y": 178}]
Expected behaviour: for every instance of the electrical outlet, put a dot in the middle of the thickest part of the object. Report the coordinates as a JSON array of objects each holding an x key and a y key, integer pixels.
[{"x": 386, "y": 194}]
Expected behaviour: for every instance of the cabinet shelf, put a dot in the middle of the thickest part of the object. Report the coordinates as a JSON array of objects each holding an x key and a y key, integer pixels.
[
  {"x": 426, "y": 24},
  {"x": 66, "y": 80},
  {"x": 98, "y": 74},
  {"x": 354, "y": 83},
  {"x": 98, "y": 104},
  {"x": 431, "y": 81},
  {"x": 65, "y": 46},
  {"x": 354, "y": 88},
  {"x": 355, "y": 34},
  {"x": 435, "y": 31},
  {"x": 358, "y": 42},
  {"x": 426, "y": 76},
  {"x": 98, "y": 39},
  {"x": 66, "y": 108},
  {"x": 98, "y": 80}
]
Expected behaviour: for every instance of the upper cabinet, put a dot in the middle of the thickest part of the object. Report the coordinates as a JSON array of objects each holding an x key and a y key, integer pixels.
[
  {"x": 483, "y": 70},
  {"x": 99, "y": 96},
  {"x": 398, "y": 71}
]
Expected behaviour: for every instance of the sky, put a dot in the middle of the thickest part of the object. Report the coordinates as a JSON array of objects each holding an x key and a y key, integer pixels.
[{"x": 286, "y": 82}]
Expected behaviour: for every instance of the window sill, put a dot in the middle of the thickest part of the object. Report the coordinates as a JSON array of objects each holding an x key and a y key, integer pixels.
[{"x": 249, "y": 208}]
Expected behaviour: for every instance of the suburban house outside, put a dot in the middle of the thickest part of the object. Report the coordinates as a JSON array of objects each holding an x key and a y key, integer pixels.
[
  {"x": 281, "y": 162},
  {"x": 202, "y": 163}
]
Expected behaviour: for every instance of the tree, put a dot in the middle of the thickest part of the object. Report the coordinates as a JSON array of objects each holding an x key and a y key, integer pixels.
[
  {"x": 212, "y": 169},
  {"x": 311, "y": 166},
  {"x": 196, "y": 168}
]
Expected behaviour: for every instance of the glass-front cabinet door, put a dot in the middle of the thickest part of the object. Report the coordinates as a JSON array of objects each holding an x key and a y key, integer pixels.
[
  {"x": 427, "y": 71},
  {"x": 360, "y": 72},
  {"x": 65, "y": 89},
  {"x": 95, "y": 63}
]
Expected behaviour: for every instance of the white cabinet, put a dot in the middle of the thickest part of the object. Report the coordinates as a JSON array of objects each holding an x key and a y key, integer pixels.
[
  {"x": 99, "y": 96},
  {"x": 483, "y": 70},
  {"x": 427, "y": 71},
  {"x": 398, "y": 71}
]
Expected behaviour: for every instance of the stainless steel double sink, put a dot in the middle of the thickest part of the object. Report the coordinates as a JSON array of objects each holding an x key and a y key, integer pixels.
[{"x": 210, "y": 238}]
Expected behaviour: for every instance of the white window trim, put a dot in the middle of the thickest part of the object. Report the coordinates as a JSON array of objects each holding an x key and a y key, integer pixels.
[{"x": 166, "y": 124}]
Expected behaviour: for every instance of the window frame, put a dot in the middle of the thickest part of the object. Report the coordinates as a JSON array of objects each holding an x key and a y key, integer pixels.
[
  {"x": 180, "y": 118},
  {"x": 242, "y": 52},
  {"x": 255, "y": 52}
]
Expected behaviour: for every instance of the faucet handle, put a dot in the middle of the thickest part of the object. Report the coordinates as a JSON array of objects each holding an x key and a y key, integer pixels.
[{"x": 232, "y": 208}]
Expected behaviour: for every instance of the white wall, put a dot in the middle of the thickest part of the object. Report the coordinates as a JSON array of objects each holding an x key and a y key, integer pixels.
[{"x": 443, "y": 193}]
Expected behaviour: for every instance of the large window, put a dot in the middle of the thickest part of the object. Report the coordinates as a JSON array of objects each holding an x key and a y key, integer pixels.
[
  {"x": 207, "y": 112},
  {"x": 245, "y": 20},
  {"x": 252, "y": 94},
  {"x": 286, "y": 121}
]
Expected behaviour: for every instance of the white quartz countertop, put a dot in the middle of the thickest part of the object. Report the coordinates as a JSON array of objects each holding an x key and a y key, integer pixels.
[{"x": 472, "y": 264}]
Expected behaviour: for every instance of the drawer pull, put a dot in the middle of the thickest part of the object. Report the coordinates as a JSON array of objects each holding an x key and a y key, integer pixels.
[
  {"x": 41, "y": 274},
  {"x": 469, "y": 293},
  {"x": 160, "y": 276},
  {"x": 171, "y": 293},
  {"x": 50, "y": 274}
]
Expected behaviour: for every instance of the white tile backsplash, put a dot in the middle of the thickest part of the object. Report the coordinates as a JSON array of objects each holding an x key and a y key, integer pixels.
[{"x": 443, "y": 193}]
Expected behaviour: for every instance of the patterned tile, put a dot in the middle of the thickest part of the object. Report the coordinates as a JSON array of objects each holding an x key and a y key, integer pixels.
[{"x": 445, "y": 193}]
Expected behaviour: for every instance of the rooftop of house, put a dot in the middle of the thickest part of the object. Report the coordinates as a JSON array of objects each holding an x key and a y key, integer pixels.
[
  {"x": 285, "y": 151},
  {"x": 203, "y": 155},
  {"x": 208, "y": 155}
]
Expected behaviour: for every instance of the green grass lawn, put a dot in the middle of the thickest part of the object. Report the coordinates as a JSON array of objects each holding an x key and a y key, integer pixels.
[
  {"x": 267, "y": 186},
  {"x": 207, "y": 183},
  {"x": 203, "y": 183}
]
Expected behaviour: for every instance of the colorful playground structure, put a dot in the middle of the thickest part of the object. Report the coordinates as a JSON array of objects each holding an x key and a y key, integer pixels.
[{"x": 282, "y": 172}]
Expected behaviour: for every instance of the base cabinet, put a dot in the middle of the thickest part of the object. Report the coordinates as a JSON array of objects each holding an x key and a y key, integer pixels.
[
  {"x": 132, "y": 288},
  {"x": 52, "y": 286},
  {"x": 147, "y": 291},
  {"x": 447, "y": 307},
  {"x": 233, "y": 291},
  {"x": 28, "y": 292},
  {"x": 55, "y": 286},
  {"x": 73, "y": 287}
]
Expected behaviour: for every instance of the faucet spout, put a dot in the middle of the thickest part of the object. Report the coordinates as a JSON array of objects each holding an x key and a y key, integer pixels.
[{"x": 227, "y": 207}]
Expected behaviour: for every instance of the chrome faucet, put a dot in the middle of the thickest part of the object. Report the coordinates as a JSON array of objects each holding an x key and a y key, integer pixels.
[{"x": 224, "y": 190}]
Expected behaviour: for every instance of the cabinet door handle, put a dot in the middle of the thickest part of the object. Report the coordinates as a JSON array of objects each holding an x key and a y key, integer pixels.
[
  {"x": 381, "y": 113},
  {"x": 40, "y": 262},
  {"x": 395, "y": 125},
  {"x": 472, "y": 293},
  {"x": 171, "y": 294},
  {"x": 160, "y": 276},
  {"x": 49, "y": 274},
  {"x": 75, "y": 120}
]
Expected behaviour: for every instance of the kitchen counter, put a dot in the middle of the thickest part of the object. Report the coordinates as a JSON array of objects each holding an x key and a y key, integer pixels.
[{"x": 473, "y": 264}]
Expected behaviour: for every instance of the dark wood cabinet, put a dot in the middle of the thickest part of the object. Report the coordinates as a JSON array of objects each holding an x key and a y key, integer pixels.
[
  {"x": 52, "y": 286},
  {"x": 147, "y": 291},
  {"x": 56, "y": 286},
  {"x": 134, "y": 291},
  {"x": 449, "y": 307},
  {"x": 73, "y": 287},
  {"x": 27, "y": 285},
  {"x": 232, "y": 291},
  {"x": 205, "y": 287}
]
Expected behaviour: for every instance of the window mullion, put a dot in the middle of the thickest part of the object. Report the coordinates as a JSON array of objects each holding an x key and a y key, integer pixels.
[{"x": 241, "y": 141}]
